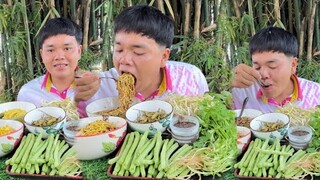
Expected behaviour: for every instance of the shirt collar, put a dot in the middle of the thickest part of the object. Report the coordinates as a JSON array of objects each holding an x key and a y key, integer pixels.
[
  {"x": 296, "y": 95},
  {"x": 49, "y": 87},
  {"x": 166, "y": 84}
]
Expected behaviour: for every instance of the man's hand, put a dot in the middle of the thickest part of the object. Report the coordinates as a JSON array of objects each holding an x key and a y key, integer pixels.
[
  {"x": 87, "y": 85},
  {"x": 244, "y": 76}
]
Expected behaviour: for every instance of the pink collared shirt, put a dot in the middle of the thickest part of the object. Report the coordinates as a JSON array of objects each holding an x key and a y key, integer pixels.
[
  {"x": 309, "y": 97},
  {"x": 40, "y": 90}
]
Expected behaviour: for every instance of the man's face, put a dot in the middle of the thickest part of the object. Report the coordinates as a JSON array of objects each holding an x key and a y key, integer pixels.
[
  {"x": 140, "y": 56},
  {"x": 275, "y": 69},
  {"x": 60, "y": 54}
]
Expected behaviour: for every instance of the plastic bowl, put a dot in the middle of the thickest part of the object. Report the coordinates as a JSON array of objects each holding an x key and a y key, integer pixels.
[
  {"x": 184, "y": 135},
  {"x": 257, "y": 122},
  {"x": 151, "y": 106},
  {"x": 99, "y": 145},
  {"x": 26, "y": 106},
  {"x": 299, "y": 136},
  {"x": 38, "y": 114},
  {"x": 244, "y": 138},
  {"x": 8, "y": 142}
]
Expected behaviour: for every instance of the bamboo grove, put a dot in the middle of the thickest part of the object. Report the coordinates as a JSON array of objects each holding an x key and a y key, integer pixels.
[{"x": 211, "y": 34}]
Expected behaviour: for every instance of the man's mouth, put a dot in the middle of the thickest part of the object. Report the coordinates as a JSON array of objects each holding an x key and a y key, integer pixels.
[
  {"x": 135, "y": 79},
  {"x": 60, "y": 65}
]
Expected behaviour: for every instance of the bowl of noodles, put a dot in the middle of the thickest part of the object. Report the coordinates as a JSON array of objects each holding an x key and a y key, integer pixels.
[
  {"x": 152, "y": 116},
  {"x": 45, "y": 120},
  {"x": 95, "y": 137},
  {"x": 11, "y": 133},
  {"x": 15, "y": 110}
]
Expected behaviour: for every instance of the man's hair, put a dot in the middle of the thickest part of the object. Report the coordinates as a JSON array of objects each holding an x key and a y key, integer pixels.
[
  {"x": 147, "y": 21},
  {"x": 57, "y": 26},
  {"x": 274, "y": 39}
]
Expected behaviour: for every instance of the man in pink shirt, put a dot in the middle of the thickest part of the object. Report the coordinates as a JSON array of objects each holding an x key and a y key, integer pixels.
[
  {"x": 143, "y": 37},
  {"x": 271, "y": 82}
]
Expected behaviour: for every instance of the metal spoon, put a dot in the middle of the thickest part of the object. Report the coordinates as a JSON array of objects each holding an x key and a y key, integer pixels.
[
  {"x": 102, "y": 77},
  {"x": 242, "y": 108}
]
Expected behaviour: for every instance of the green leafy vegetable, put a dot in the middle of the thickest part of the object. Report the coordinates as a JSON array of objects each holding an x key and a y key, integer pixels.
[{"x": 314, "y": 146}]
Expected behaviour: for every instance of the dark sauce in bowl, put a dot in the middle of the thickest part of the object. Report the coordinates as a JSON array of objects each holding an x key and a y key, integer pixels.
[{"x": 184, "y": 124}]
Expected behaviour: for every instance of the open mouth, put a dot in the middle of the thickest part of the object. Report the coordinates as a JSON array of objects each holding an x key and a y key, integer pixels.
[
  {"x": 60, "y": 65},
  {"x": 135, "y": 79}
]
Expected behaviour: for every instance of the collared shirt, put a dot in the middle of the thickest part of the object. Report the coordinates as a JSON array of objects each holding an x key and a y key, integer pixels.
[
  {"x": 178, "y": 77},
  {"x": 306, "y": 95},
  {"x": 41, "y": 89}
]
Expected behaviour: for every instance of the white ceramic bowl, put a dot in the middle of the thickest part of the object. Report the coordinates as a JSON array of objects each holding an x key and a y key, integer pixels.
[
  {"x": 101, "y": 105},
  {"x": 100, "y": 145},
  {"x": 247, "y": 113},
  {"x": 244, "y": 138},
  {"x": 39, "y": 113},
  {"x": 26, "y": 106},
  {"x": 9, "y": 142},
  {"x": 151, "y": 106},
  {"x": 257, "y": 122}
]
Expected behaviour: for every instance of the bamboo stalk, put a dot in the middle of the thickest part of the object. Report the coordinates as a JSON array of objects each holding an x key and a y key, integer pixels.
[
  {"x": 290, "y": 16},
  {"x": 93, "y": 22},
  {"x": 187, "y": 17},
  {"x": 86, "y": 19},
  {"x": 27, "y": 30},
  {"x": 160, "y": 6},
  {"x": 206, "y": 14},
  {"x": 2, "y": 64},
  {"x": 310, "y": 31},
  {"x": 236, "y": 8},
  {"x": 277, "y": 15},
  {"x": 252, "y": 28},
  {"x": 51, "y": 5},
  {"x": 259, "y": 11},
  {"x": 196, "y": 27},
  {"x": 297, "y": 16},
  {"x": 317, "y": 28},
  {"x": 107, "y": 35},
  {"x": 7, "y": 65},
  {"x": 301, "y": 37},
  {"x": 65, "y": 9},
  {"x": 176, "y": 15},
  {"x": 73, "y": 10}
]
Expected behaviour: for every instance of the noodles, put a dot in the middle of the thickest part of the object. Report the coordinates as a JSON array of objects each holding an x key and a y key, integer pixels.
[
  {"x": 125, "y": 86},
  {"x": 96, "y": 127},
  {"x": 68, "y": 105},
  {"x": 13, "y": 113},
  {"x": 5, "y": 130}
]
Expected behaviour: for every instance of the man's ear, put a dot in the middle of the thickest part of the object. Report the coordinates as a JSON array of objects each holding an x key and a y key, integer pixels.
[
  {"x": 294, "y": 65},
  {"x": 165, "y": 57},
  {"x": 79, "y": 51},
  {"x": 41, "y": 54}
]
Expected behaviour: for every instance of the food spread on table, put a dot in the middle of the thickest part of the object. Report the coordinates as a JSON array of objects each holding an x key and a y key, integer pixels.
[{"x": 142, "y": 154}]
